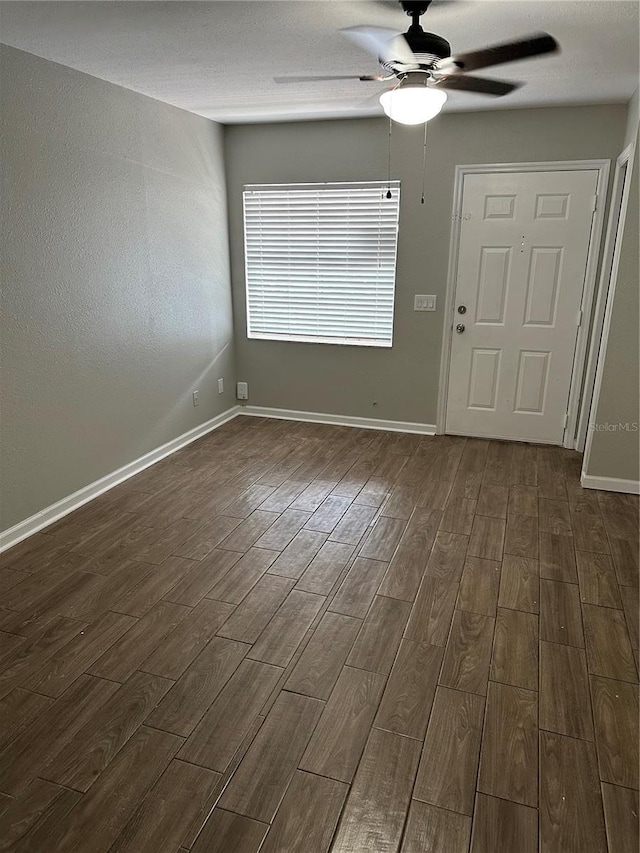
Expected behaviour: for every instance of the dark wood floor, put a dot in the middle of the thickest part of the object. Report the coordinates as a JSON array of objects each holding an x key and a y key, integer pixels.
[{"x": 305, "y": 638}]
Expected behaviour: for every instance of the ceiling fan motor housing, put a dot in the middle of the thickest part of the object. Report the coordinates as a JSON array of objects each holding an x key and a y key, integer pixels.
[{"x": 428, "y": 48}]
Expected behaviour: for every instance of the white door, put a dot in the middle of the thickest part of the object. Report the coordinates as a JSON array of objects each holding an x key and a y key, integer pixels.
[{"x": 522, "y": 258}]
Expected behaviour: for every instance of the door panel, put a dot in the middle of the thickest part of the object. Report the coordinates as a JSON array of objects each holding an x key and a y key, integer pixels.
[{"x": 522, "y": 257}]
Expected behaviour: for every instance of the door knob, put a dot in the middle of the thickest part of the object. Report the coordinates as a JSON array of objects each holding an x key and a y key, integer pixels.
[
  {"x": 462, "y": 309},
  {"x": 459, "y": 328}
]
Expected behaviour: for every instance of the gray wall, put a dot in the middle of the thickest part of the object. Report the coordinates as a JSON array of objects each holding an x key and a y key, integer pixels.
[
  {"x": 115, "y": 276},
  {"x": 614, "y": 453},
  {"x": 403, "y": 381}
]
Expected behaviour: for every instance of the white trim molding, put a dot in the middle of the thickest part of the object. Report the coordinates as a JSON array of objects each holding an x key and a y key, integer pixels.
[
  {"x": 13, "y": 535},
  {"x": 602, "y": 167},
  {"x": 338, "y": 420},
  {"x": 610, "y": 484}
]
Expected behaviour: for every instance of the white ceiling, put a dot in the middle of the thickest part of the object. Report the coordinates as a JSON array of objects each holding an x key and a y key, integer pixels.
[{"x": 218, "y": 59}]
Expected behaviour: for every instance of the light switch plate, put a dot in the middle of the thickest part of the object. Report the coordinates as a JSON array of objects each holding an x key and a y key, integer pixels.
[{"x": 424, "y": 302}]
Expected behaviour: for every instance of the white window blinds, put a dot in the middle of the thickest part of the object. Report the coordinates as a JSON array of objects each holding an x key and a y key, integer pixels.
[{"x": 320, "y": 262}]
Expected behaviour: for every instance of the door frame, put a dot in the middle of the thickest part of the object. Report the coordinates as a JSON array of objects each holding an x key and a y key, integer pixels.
[
  {"x": 588, "y": 293},
  {"x": 604, "y": 307}
]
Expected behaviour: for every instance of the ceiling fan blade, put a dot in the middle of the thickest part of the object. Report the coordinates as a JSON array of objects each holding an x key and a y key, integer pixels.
[
  {"x": 292, "y": 79},
  {"x": 383, "y": 44},
  {"x": 483, "y": 85},
  {"x": 535, "y": 45}
]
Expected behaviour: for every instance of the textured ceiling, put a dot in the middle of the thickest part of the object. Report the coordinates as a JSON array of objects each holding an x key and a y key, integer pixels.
[{"x": 218, "y": 59}]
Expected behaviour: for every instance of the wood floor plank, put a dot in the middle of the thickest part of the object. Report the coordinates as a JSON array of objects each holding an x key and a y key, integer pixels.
[
  {"x": 278, "y": 642},
  {"x": 295, "y": 558},
  {"x": 78, "y": 654},
  {"x": 140, "y": 598},
  {"x": 357, "y": 590},
  {"x": 625, "y": 559},
  {"x": 38, "y": 833},
  {"x": 122, "y": 659},
  {"x": 353, "y": 524},
  {"x": 252, "y": 616},
  {"x": 328, "y": 514},
  {"x": 307, "y": 818},
  {"x": 320, "y": 664},
  {"x": 377, "y": 643},
  {"x": 373, "y": 492},
  {"x": 375, "y": 810},
  {"x": 165, "y": 814},
  {"x": 493, "y": 501},
  {"x": 221, "y": 730},
  {"x": 409, "y": 562},
  {"x": 560, "y": 613},
  {"x": 180, "y": 648},
  {"x": 25, "y": 811},
  {"x": 313, "y": 496},
  {"x": 500, "y": 826},
  {"x": 281, "y": 498},
  {"x": 515, "y": 649},
  {"x": 479, "y": 586},
  {"x": 519, "y": 584},
  {"x": 246, "y": 534},
  {"x": 408, "y": 697},
  {"x": 487, "y": 538},
  {"x": 607, "y": 641},
  {"x": 621, "y": 810},
  {"x": 449, "y": 763},
  {"x": 521, "y": 536},
  {"x": 226, "y": 832},
  {"x": 381, "y": 543},
  {"x": 631, "y": 607},
  {"x": 615, "y": 712},
  {"x": 203, "y": 577},
  {"x": 252, "y": 498},
  {"x": 431, "y": 828},
  {"x": 81, "y": 762},
  {"x": 555, "y": 517},
  {"x": 446, "y": 560},
  {"x": 241, "y": 578},
  {"x": 571, "y": 817},
  {"x": 523, "y": 500},
  {"x": 17, "y": 710},
  {"x": 103, "y": 812},
  {"x": 597, "y": 579},
  {"x": 325, "y": 568},
  {"x": 258, "y": 785},
  {"x": 30, "y": 657},
  {"x": 283, "y": 530},
  {"x": 337, "y": 743},
  {"x": 509, "y": 757},
  {"x": 190, "y": 697},
  {"x": 557, "y": 558},
  {"x": 432, "y": 612},
  {"x": 565, "y": 705},
  {"x": 588, "y": 528},
  {"x": 468, "y": 652}
]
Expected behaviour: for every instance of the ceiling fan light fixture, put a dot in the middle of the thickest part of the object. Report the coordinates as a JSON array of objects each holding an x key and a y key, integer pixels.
[{"x": 412, "y": 103}]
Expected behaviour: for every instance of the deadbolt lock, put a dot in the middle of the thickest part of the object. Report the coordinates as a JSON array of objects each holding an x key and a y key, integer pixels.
[{"x": 462, "y": 309}]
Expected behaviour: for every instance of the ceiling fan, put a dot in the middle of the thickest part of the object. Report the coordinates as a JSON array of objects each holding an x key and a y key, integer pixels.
[{"x": 423, "y": 67}]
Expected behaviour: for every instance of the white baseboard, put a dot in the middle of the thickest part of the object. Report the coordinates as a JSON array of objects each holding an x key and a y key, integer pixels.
[
  {"x": 610, "y": 484},
  {"x": 338, "y": 420},
  {"x": 26, "y": 528}
]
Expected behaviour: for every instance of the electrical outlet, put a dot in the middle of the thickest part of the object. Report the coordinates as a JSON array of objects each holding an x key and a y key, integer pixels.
[
  {"x": 242, "y": 390},
  {"x": 220, "y": 386},
  {"x": 423, "y": 302},
  {"x": 196, "y": 398}
]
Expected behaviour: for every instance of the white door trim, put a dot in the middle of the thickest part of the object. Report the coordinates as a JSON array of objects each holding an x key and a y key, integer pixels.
[
  {"x": 606, "y": 297},
  {"x": 602, "y": 167},
  {"x": 608, "y": 274}
]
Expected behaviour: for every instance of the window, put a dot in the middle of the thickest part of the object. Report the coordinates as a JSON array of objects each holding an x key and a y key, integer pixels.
[{"x": 320, "y": 262}]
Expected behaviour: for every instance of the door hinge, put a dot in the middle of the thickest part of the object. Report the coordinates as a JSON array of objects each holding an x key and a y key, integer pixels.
[
  {"x": 595, "y": 202},
  {"x": 579, "y": 318},
  {"x": 566, "y": 420}
]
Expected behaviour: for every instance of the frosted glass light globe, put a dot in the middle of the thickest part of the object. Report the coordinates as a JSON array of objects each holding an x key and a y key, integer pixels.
[{"x": 412, "y": 104}]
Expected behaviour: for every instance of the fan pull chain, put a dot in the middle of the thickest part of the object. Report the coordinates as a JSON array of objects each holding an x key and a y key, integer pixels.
[
  {"x": 424, "y": 160},
  {"x": 389, "y": 163}
]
